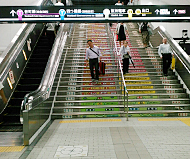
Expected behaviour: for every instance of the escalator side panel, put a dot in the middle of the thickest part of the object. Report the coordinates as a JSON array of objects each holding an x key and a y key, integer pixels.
[{"x": 29, "y": 81}]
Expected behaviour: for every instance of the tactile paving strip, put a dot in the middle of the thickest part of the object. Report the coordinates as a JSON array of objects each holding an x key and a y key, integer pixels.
[
  {"x": 11, "y": 149},
  {"x": 184, "y": 120},
  {"x": 95, "y": 120}
]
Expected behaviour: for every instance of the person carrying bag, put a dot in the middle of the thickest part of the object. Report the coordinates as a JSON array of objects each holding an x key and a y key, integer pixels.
[
  {"x": 92, "y": 53},
  {"x": 125, "y": 53}
]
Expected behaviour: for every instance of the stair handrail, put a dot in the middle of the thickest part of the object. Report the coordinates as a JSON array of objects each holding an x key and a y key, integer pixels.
[
  {"x": 122, "y": 77},
  {"x": 118, "y": 60},
  {"x": 177, "y": 50}
]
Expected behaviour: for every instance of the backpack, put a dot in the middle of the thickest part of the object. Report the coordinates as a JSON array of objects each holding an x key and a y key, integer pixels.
[{"x": 144, "y": 27}]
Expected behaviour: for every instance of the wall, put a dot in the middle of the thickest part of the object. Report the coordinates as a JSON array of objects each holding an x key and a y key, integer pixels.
[
  {"x": 7, "y": 32},
  {"x": 174, "y": 29}
]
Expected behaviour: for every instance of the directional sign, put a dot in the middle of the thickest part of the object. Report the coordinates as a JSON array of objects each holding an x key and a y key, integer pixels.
[
  {"x": 175, "y": 11},
  {"x": 157, "y": 11},
  {"x": 13, "y": 13},
  {"x": 100, "y": 13}
]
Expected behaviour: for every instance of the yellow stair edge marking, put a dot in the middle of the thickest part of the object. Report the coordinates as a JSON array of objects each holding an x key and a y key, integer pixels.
[
  {"x": 83, "y": 121},
  {"x": 11, "y": 149}
]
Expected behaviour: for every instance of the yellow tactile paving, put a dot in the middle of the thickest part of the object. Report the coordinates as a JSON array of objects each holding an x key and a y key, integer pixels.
[
  {"x": 83, "y": 121},
  {"x": 159, "y": 119},
  {"x": 11, "y": 149},
  {"x": 2, "y": 149},
  {"x": 184, "y": 120}
]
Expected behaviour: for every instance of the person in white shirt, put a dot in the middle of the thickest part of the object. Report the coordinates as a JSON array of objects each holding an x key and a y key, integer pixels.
[
  {"x": 131, "y": 2},
  {"x": 125, "y": 53},
  {"x": 59, "y": 3},
  {"x": 165, "y": 54},
  {"x": 118, "y": 3},
  {"x": 92, "y": 53},
  {"x": 2, "y": 93}
]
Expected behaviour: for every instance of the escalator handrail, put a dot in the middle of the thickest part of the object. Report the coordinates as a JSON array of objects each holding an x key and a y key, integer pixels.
[
  {"x": 49, "y": 73},
  {"x": 178, "y": 51},
  {"x": 14, "y": 48}
]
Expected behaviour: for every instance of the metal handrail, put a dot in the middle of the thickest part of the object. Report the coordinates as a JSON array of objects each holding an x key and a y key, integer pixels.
[
  {"x": 46, "y": 84},
  {"x": 178, "y": 51},
  {"x": 122, "y": 77},
  {"x": 12, "y": 50},
  {"x": 119, "y": 67}
]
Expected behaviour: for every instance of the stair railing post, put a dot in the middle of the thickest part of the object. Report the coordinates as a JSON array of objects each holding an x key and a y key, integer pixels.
[
  {"x": 118, "y": 67},
  {"x": 127, "y": 105},
  {"x": 124, "y": 97}
]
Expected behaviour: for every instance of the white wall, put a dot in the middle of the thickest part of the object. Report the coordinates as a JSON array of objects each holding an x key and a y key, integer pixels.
[
  {"x": 174, "y": 29},
  {"x": 7, "y": 31}
]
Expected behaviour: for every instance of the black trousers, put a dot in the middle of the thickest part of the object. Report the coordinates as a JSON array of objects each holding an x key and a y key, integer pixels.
[
  {"x": 167, "y": 59},
  {"x": 125, "y": 65},
  {"x": 50, "y": 36},
  {"x": 94, "y": 63}
]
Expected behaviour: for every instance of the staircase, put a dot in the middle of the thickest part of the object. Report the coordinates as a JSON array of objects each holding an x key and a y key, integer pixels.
[
  {"x": 29, "y": 82},
  {"x": 150, "y": 94},
  {"x": 76, "y": 96}
]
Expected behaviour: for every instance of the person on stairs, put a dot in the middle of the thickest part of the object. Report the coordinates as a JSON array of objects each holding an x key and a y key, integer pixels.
[
  {"x": 143, "y": 29},
  {"x": 118, "y": 3},
  {"x": 121, "y": 30},
  {"x": 59, "y": 3},
  {"x": 125, "y": 53},
  {"x": 165, "y": 53},
  {"x": 93, "y": 53}
]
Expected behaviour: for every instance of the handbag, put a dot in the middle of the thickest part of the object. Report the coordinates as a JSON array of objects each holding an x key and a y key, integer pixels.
[
  {"x": 126, "y": 56},
  {"x": 173, "y": 63},
  {"x": 116, "y": 37}
]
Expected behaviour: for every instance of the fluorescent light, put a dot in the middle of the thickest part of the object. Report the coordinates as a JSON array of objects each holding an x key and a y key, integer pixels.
[
  {"x": 24, "y": 54},
  {"x": 10, "y": 84}
]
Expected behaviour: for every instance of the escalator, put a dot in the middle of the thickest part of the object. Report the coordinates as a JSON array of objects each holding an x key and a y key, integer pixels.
[{"x": 29, "y": 81}]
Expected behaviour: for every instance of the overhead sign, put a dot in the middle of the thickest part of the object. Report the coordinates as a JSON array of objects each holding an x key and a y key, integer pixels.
[{"x": 94, "y": 13}]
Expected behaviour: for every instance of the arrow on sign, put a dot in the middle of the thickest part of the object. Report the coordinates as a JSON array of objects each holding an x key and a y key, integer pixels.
[
  {"x": 157, "y": 11},
  {"x": 13, "y": 13},
  {"x": 175, "y": 11}
]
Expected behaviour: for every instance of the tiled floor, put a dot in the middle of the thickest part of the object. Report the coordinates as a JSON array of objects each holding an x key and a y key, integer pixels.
[{"x": 137, "y": 138}]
